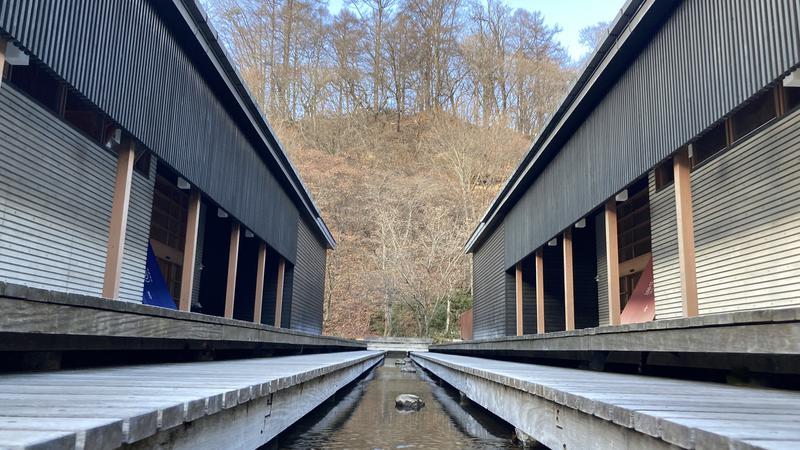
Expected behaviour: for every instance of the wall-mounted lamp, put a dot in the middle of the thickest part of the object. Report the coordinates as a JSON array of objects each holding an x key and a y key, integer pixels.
[
  {"x": 622, "y": 196},
  {"x": 581, "y": 223},
  {"x": 183, "y": 184},
  {"x": 221, "y": 213},
  {"x": 553, "y": 242}
]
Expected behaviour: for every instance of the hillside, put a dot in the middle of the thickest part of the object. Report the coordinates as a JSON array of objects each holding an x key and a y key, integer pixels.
[{"x": 403, "y": 117}]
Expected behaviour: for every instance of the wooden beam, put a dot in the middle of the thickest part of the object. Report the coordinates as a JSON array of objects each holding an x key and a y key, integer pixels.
[
  {"x": 612, "y": 262},
  {"x": 190, "y": 250},
  {"x": 279, "y": 291},
  {"x": 519, "y": 299},
  {"x": 262, "y": 267},
  {"x": 2, "y": 59},
  {"x": 233, "y": 261},
  {"x": 119, "y": 221},
  {"x": 540, "y": 290},
  {"x": 569, "y": 288},
  {"x": 685, "y": 224}
]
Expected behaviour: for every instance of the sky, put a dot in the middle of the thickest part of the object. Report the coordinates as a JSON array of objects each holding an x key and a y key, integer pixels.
[{"x": 570, "y": 15}]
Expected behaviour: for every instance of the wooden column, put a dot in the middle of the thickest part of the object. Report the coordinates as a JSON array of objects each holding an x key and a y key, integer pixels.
[
  {"x": 540, "y": 291},
  {"x": 119, "y": 221},
  {"x": 569, "y": 288},
  {"x": 2, "y": 59},
  {"x": 233, "y": 261},
  {"x": 262, "y": 267},
  {"x": 685, "y": 223},
  {"x": 612, "y": 261},
  {"x": 279, "y": 293},
  {"x": 519, "y": 298},
  {"x": 190, "y": 251}
]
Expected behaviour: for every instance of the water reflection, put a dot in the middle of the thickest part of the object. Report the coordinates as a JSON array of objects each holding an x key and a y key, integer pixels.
[{"x": 364, "y": 417}]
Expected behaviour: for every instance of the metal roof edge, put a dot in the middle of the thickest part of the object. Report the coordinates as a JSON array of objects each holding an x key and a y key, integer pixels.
[
  {"x": 197, "y": 20},
  {"x": 602, "y": 54}
]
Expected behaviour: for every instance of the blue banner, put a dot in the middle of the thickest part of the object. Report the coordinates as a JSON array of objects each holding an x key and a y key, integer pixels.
[{"x": 155, "y": 290}]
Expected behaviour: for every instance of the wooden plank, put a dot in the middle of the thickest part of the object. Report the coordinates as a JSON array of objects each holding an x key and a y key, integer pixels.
[
  {"x": 119, "y": 221},
  {"x": 190, "y": 250},
  {"x": 687, "y": 414},
  {"x": 279, "y": 291},
  {"x": 612, "y": 262},
  {"x": 539, "y": 290},
  {"x": 519, "y": 298},
  {"x": 233, "y": 261},
  {"x": 40, "y": 320},
  {"x": 685, "y": 224},
  {"x": 28, "y": 439},
  {"x": 260, "y": 274},
  {"x": 107, "y": 406},
  {"x": 569, "y": 285}
]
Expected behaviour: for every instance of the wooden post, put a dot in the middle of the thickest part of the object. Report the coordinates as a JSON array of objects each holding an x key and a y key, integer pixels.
[
  {"x": 190, "y": 251},
  {"x": 2, "y": 59},
  {"x": 262, "y": 267},
  {"x": 569, "y": 288},
  {"x": 119, "y": 221},
  {"x": 519, "y": 299},
  {"x": 685, "y": 223},
  {"x": 612, "y": 261},
  {"x": 233, "y": 261},
  {"x": 540, "y": 291},
  {"x": 279, "y": 293}
]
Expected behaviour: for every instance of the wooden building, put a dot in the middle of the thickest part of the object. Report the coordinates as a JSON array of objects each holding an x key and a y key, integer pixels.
[
  {"x": 665, "y": 184},
  {"x": 125, "y": 127}
]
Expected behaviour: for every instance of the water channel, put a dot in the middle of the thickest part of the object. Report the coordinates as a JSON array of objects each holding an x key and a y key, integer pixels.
[{"x": 363, "y": 416}]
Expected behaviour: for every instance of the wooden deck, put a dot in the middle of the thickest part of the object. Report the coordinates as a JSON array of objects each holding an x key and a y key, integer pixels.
[
  {"x": 562, "y": 407},
  {"x": 762, "y": 341},
  {"x": 106, "y": 408},
  {"x": 40, "y": 320}
]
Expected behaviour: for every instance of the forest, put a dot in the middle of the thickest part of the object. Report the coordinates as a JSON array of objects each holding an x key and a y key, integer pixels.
[{"x": 404, "y": 118}]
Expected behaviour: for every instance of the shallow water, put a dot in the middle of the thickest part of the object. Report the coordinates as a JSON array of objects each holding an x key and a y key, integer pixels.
[{"x": 363, "y": 416}]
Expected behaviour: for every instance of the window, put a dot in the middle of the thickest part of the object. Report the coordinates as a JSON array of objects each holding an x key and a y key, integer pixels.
[
  {"x": 760, "y": 110},
  {"x": 665, "y": 174},
  {"x": 80, "y": 114},
  {"x": 709, "y": 143},
  {"x": 34, "y": 81},
  {"x": 142, "y": 161},
  {"x": 792, "y": 97}
]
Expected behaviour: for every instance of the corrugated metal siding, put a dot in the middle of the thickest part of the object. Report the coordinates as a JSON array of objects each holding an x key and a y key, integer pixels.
[
  {"x": 746, "y": 215},
  {"x": 56, "y": 189},
  {"x": 664, "y": 241},
  {"x": 288, "y": 301},
  {"x": 602, "y": 269},
  {"x": 553, "y": 264},
  {"x": 489, "y": 288},
  {"x": 709, "y": 57},
  {"x": 309, "y": 282},
  {"x": 138, "y": 73},
  {"x": 584, "y": 273},
  {"x": 529, "y": 296},
  {"x": 137, "y": 235}
]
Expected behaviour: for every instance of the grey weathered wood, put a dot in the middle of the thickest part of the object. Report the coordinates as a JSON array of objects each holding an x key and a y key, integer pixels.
[
  {"x": 30, "y": 316},
  {"x": 36, "y": 440},
  {"x": 107, "y": 406},
  {"x": 90, "y": 433},
  {"x": 775, "y": 332},
  {"x": 668, "y": 412}
]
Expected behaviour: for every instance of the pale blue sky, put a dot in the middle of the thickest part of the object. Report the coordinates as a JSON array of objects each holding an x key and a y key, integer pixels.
[{"x": 570, "y": 15}]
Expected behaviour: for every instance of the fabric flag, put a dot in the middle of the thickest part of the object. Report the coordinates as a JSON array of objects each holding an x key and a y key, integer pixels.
[
  {"x": 155, "y": 290},
  {"x": 641, "y": 307}
]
